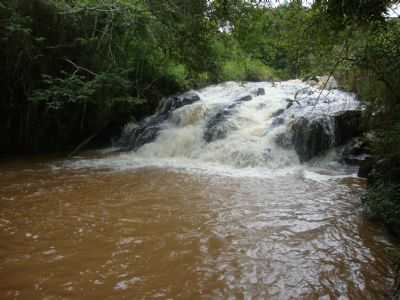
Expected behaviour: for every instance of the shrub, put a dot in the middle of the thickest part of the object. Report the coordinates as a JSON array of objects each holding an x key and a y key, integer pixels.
[
  {"x": 383, "y": 200},
  {"x": 257, "y": 71}
]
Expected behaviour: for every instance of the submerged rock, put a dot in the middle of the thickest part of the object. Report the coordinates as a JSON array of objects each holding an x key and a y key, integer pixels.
[
  {"x": 278, "y": 121},
  {"x": 311, "y": 138},
  {"x": 259, "y": 92},
  {"x": 355, "y": 152},
  {"x": 277, "y": 113},
  {"x": 220, "y": 124},
  {"x": 172, "y": 103},
  {"x": 148, "y": 129},
  {"x": 347, "y": 126},
  {"x": 366, "y": 167},
  {"x": 244, "y": 99}
]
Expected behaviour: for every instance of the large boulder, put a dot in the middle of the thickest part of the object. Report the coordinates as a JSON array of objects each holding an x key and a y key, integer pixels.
[
  {"x": 169, "y": 104},
  {"x": 347, "y": 126},
  {"x": 148, "y": 129},
  {"x": 366, "y": 167},
  {"x": 220, "y": 124},
  {"x": 311, "y": 138},
  {"x": 258, "y": 92}
]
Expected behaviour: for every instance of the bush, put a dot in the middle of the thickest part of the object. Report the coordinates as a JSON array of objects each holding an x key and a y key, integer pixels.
[
  {"x": 257, "y": 71},
  {"x": 382, "y": 200},
  {"x": 233, "y": 70},
  {"x": 179, "y": 74},
  {"x": 247, "y": 70}
]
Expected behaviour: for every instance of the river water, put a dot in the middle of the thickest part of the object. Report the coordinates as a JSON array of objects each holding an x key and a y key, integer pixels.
[{"x": 189, "y": 225}]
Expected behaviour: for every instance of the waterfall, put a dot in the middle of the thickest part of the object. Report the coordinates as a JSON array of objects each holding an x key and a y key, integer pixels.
[{"x": 263, "y": 124}]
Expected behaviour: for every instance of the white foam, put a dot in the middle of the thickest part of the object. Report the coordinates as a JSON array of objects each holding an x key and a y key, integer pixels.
[{"x": 249, "y": 147}]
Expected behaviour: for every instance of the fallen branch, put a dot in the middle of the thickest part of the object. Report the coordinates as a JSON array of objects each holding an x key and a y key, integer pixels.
[{"x": 78, "y": 148}]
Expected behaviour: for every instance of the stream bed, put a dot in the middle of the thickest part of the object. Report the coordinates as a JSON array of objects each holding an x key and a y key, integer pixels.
[{"x": 174, "y": 233}]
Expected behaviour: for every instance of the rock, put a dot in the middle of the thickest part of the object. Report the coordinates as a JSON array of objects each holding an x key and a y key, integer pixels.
[
  {"x": 366, "y": 167},
  {"x": 277, "y": 122},
  {"x": 143, "y": 135},
  {"x": 277, "y": 113},
  {"x": 260, "y": 92},
  {"x": 290, "y": 103},
  {"x": 323, "y": 82},
  {"x": 356, "y": 160},
  {"x": 356, "y": 146},
  {"x": 284, "y": 140},
  {"x": 174, "y": 102},
  {"x": 188, "y": 115},
  {"x": 127, "y": 130},
  {"x": 347, "y": 126},
  {"x": 243, "y": 99},
  {"x": 218, "y": 126},
  {"x": 311, "y": 137},
  {"x": 148, "y": 129}
]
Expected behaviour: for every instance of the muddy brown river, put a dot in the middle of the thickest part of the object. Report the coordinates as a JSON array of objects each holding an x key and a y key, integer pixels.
[{"x": 171, "y": 233}]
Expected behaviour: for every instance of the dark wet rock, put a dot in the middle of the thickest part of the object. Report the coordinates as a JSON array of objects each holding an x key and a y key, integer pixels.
[
  {"x": 347, "y": 126},
  {"x": 174, "y": 102},
  {"x": 356, "y": 160},
  {"x": 284, "y": 140},
  {"x": 143, "y": 135},
  {"x": 356, "y": 146},
  {"x": 278, "y": 113},
  {"x": 148, "y": 129},
  {"x": 355, "y": 152},
  {"x": 290, "y": 103},
  {"x": 260, "y": 92},
  {"x": 244, "y": 99},
  {"x": 218, "y": 126},
  {"x": 311, "y": 138},
  {"x": 277, "y": 122},
  {"x": 366, "y": 167}
]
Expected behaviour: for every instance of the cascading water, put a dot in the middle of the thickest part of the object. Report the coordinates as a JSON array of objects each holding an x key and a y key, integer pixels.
[{"x": 242, "y": 125}]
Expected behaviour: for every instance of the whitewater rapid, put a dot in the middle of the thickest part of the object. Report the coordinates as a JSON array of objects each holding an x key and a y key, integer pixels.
[{"x": 233, "y": 127}]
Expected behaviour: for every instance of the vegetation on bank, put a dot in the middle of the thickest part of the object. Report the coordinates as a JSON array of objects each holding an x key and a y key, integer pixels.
[{"x": 71, "y": 68}]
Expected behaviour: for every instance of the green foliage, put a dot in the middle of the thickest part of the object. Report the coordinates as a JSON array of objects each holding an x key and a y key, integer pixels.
[
  {"x": 257, "y": 71},
  {"x": 83, "y": 58},
  {"x": 358, "y": 10},
  {"x": 232, "y": 70},
  {"x": 178, "y": 73},
  {"x": 383, "y": 200},
  {"x": 103, "y": 90},
  {"x": 372, "y": 70},
  {"x": 247, "y": 70}
]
